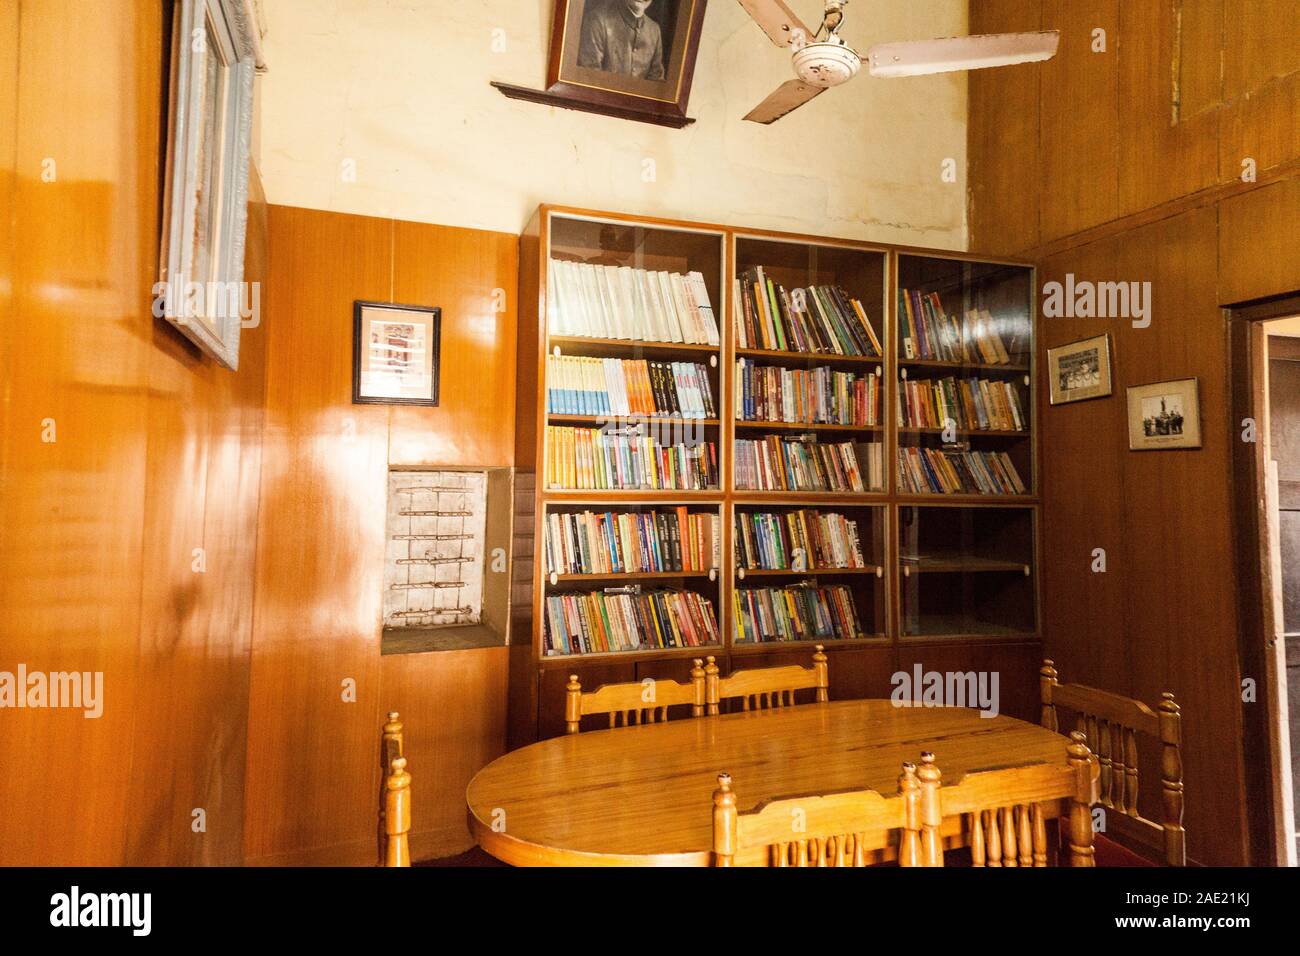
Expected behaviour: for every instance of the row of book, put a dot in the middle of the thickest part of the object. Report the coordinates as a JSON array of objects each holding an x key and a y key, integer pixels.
[
  {"x": 801, "y": 463},
  {"x": 627, "y": 619},
  {"x": 821, "y": 395},
  {"x": 941, "y": 471},
  {"x": 797, "y": 540},
  {"x": 820, "y": 318},
  {"x": 974, "y": 404},
  {"x": 620, "y": 302},
  {"x": 926, "y": 331},
  {"x": 800, "y": 612},
  {"x": 580, "y": 385},
  {"x": 610, "y": 459},
  {"x": 669, "y": 539}
]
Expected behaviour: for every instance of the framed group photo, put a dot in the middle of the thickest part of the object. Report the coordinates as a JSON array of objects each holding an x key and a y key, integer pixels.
[
  {"x": 395, "y": 352},
  {"x": 1079, "y": 370},
  {"x": 1164, "y": 415}
]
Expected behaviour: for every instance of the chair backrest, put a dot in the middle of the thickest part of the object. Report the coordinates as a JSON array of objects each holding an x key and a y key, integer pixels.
[
  {"x": 1111, "y": 723},
  {"x": 1004, "y": 810},
  {"x": 642, "y": 702},
  {"x": 394, "y": 796},
  {"x": 767, "y": 687},
  {"x": 833, "y": 829}
]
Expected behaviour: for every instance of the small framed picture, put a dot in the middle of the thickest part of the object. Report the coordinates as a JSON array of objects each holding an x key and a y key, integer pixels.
[
  {"x": 395, "y": 353},
  {"x": 1079, "y": 370},
  {"x": 1164, "y": 415}
]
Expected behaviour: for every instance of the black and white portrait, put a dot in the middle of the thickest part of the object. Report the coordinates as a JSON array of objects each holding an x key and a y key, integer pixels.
[{"x": 623, "y": 37}]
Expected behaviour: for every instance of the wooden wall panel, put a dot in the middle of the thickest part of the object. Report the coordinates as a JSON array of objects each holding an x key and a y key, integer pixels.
[
  {"x": 97, "y": 526},
  {"x": 71, "y": 508},
  {"x": 1161, "y": 617},
  {"x": 1164, "y": 150},
  {"x": 1198, "y": 86},
  {"x": 1078, "y": 135},
  {"x": 1259, "y": 233},
  {"x": 453, "y": 707},
  {"x": 1261, "y": 84},
  {"x": 1081, "y": 478},
  {"x": 312, "y": 776},
  {"x": 196, "y": 626},
  {"x": 463, "y": 271},
  {"x": 320, "y": 544},
  {"x": 1003, "y": 158}
]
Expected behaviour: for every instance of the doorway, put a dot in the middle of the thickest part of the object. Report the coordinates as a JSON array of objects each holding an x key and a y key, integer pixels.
[{"x": 1266, "y": 469}]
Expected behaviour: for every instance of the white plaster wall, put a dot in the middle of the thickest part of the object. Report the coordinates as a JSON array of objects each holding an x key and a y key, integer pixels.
[{"x": 400, "y": 87}]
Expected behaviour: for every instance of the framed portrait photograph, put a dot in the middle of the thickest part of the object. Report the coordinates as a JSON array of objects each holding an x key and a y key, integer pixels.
[
  {"x": 632, "y": 59},
  {"x": 205, "y": 204},
  {"x": 1164, "y": 415},
  {"x": 395, "y": 353},
  {"x": 1079, "y": 370}
]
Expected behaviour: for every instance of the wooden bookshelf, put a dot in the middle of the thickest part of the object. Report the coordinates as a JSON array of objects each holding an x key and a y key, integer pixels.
[{"x": 957, "y": 569}]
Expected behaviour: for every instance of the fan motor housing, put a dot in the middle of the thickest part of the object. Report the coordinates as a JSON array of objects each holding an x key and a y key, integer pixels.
[{"x": 826, "y": 64}]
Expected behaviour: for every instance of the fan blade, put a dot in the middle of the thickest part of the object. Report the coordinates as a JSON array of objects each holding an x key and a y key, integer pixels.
[
  {"x": 920, "y": 57},
  {"x": 787, "y": 97},
  {"x": 777, "y": 20}
]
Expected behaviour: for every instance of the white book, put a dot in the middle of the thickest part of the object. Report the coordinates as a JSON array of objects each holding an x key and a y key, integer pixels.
[
  {"x": 610, "y": 288},
  {"x": 604, "y": 294},
  {"x": 646, "y": 284},
  {"x": 580, "y": 322},
  {"x": 676, "y": 331},
  {"x": 678, "y": 287},
  {"x": 560, "y": 309},
  {"x": 708, "y": 321},
  {"x": 635, "y": 321}
]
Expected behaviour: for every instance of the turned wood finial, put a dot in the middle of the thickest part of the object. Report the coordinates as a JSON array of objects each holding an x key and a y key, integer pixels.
[
  {"x": 931, "y": 813},
  {"x": 724, "y": 822},
  {"x": 711, "y": 685},
  {"x": 909, "y": 839},
  {"x": 397, "y": 814},
  {"x": 1171, "y": 779},
  {"x": 1086, "y": 772},
  {"x": 572, "y": 704},
  {"x": 697, "y": 684},
  {"x": 1046, "y": 681},
  {"x": 823, "y": 673}
]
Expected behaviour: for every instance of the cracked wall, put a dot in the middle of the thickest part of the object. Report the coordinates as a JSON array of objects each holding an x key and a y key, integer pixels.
[{"x": 397, "y": 91}]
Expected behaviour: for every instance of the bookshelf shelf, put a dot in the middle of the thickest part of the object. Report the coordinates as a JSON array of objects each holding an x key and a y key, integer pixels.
[
  {"x": 967, "y": 432},
  {"x": 619, "y": 347},
  {"x": 805, "y": 426},
  {"x": 749, "y": 573},
  {"x": 955, "y": 567},
  {"x": 817, "y": 358},
  {"x": 556, "y": 417},
  {"x": 963, "y": 366}
]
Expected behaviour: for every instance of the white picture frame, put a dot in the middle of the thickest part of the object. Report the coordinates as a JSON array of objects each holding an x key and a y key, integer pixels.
[{"x": 205, "y": 200}]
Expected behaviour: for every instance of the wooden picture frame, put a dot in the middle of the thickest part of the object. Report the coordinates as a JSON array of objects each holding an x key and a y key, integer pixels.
[
  {"x": 1078, "y": 371},
  {"x": 396, "y": 364},
  {"x": 652, "y": 84},
  {"x": 1164, "y": 415},
  {"x": 205, "y": 201}
]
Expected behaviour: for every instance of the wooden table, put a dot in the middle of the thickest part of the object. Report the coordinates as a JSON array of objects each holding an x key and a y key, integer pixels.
[{"x": 643, "y": 796}]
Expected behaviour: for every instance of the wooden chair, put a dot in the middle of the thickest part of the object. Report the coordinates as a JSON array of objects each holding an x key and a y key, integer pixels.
[
  {"x": 1111, "y": 724},
  {"x": 1004, "y": 811},
  {"x": 766, "y": 687},
  {"x": 643, "y": 702},
  {"x": 395, "y": 796},
  {"x": 834, "y": 829}
]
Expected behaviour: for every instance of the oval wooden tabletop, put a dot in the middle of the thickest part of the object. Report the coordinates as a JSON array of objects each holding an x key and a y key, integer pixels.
[{"x": 643, "y": 795}]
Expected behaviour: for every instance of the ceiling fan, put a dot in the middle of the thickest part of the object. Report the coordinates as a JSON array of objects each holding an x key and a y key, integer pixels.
[{"x": 822, "y": 59}]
